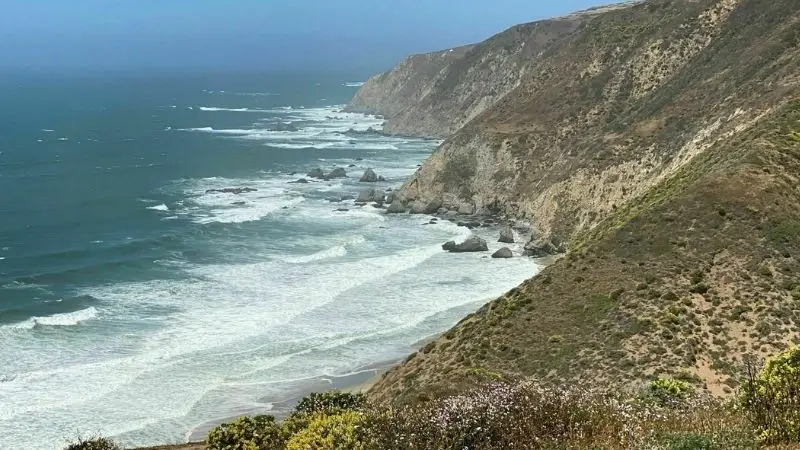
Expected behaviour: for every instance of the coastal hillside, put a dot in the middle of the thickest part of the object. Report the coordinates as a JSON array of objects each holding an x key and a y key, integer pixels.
[{"x": 660, "y": 142}]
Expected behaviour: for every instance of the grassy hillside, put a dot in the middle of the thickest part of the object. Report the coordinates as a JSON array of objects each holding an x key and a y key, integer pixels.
[{"x": 688, "y": 279}]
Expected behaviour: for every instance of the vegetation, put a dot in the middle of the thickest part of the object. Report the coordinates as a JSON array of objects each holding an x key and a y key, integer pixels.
[
  {"x": 771, "y": 397},
  {"x": 668, "y": 414},
  {"x": 248, "y": 433},
  {"x": 98, "y": 443}
]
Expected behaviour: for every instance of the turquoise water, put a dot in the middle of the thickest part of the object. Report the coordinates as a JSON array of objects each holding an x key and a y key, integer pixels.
[{"x": 135, "y": 303}]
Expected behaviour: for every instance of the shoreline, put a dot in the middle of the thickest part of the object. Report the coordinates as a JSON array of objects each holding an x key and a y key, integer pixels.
[{"x": 358, "y": 381}]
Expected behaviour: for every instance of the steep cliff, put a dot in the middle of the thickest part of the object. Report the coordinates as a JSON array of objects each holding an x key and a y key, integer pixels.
[{"x": 660, "y": 141}]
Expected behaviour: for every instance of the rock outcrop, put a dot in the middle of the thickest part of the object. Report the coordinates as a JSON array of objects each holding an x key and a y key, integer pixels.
[
  {"x": 470, "y": 245},
  {"x": 369, "y": 177},
  {"x": 506, "y": 235},
  {"x": 337, "y": 173},
  {"x": 316, "y": 173},
  {"x": 365, "y": 196},
  {"x": 396, "y": 207},
  {"x": 503, "y": 253}
]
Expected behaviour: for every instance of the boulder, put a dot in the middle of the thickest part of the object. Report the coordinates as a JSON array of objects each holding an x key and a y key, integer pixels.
[
  {"x": 365, "y": 196},
  {"x": 390, "y": 198},
  {"x": 467, "y": 210},
  {"x": 299, "y": 181},
  {"x": 342, "y": 210},
  {"x": 337, "y": 173},
  {"x": 417, "y": 207},
  {"x": 351, "y": 165},
  {"x": 379, "y": 196},
  {"x": 380, "y": 178},
  {"x": 472, "y": 244},
  {"x": 506, "y": 236},
  {"x": 238, "y": 203},
  {"x": 451, "y": 213},
  {"x": 441, "y": 211},
  {"x": 503, "y": 253},
  {"x": 449, "y": 246},
  {"x": 316, "y": 173},
  {"x": 396, "y": 207},
  {"x": 369, "y": 176},
  {"x": 539, "y": 248},
  {"x": 432, "y": 207}
]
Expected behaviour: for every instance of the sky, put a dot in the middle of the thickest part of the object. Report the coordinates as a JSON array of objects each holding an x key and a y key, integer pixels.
[{"x": 349, "y": 35}]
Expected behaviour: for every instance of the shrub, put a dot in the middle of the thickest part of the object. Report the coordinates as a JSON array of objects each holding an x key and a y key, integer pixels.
[
  {"x": 247, "y": 433},
  {"x": 689, "y": 441},
  {"x": 771, "y": 397},
  {"x": 93, "y": 444},
  {"x": 331, "y": 402},
  {"x": 668, "y": 390},
  {"x": 342, "y": 431}
]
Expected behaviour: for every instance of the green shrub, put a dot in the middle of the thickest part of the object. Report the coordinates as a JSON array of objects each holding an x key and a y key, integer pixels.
[
  {"x": 93, "y": 444},
  {"x": 248, "y": 433},
  {"x": 342, "y": 431},
  {"x": 689, "y": 441},
  {"x": 331, "y": 402},
  {"x": 668, "y": 390},
  {"x": 771, "y": 397}
]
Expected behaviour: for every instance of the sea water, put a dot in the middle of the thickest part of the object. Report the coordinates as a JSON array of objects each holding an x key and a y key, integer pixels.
[{"x": 138, "y": 303}]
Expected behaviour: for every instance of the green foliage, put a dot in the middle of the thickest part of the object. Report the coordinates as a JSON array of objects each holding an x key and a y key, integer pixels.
[
  {"x": 668, "y": 390},
  {"x": 784, "y": 232},
  {"x": 93, "y": 444},
  {"x": 331, "y": 402},
  {"x": 343, "y": 431},
  {"x": 690, "y": 441},
  {"x": 771, "y": 397},
  {"x": 247, "y": 433}
]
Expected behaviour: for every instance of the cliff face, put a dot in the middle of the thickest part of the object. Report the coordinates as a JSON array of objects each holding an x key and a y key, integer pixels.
[
  {"x": 562, "y": 121},
  {"x": 660, "y": 141},
  {"x": 434, "y": 95}
]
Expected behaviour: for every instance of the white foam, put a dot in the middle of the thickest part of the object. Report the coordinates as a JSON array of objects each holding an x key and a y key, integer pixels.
[
  {"x": 333, "y": 252},
  {"x": 56, "y": 320},
  {"x": 62, "y": 139},
  {"x": 215, "y": 109},
  {"x": 161, "y": 207},
  {"x": 355, "y": 83},
  {"x": 269, "y": 196},
  {"x": 46, "y": 130}
]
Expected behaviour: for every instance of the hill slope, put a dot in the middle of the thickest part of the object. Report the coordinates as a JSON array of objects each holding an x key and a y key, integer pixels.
[{"x": 659, "y": 140}]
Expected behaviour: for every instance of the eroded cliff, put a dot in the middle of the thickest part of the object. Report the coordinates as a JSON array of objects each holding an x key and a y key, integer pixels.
[{"x": 660, "y": 141}]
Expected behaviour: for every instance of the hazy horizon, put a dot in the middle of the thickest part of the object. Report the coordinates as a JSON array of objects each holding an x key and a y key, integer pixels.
[{"x": 351, "y": 36}]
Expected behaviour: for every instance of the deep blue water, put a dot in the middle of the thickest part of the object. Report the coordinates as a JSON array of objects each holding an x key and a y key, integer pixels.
[{"x": 135, "y": 303}]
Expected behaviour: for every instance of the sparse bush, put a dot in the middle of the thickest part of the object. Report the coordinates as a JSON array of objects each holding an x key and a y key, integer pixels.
[
  {"x": 771, "y": 397},
  {"x": 248, "y": 433},
  {"x": 689, "y": 441},
  {"x": 700, "y": 288},
  {"x": 331, "y": 402},
  {"x": 668, "y": 391},
  {"x": 98, "y": 443}
]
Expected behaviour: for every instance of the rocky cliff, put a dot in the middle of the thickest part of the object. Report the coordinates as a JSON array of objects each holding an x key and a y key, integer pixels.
[{"x": 660, "y": 141}]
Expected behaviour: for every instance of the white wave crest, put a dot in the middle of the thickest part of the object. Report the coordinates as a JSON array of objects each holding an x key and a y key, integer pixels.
[
  {"x": 355, "y": 83},
  {"x": 161, "y": 207},
  {"x": 56, "y": 320},
  {"x": 216, "y": 109}
]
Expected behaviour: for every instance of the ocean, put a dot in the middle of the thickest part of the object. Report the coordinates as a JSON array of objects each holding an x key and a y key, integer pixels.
[{"x": 138, "y": 303}]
